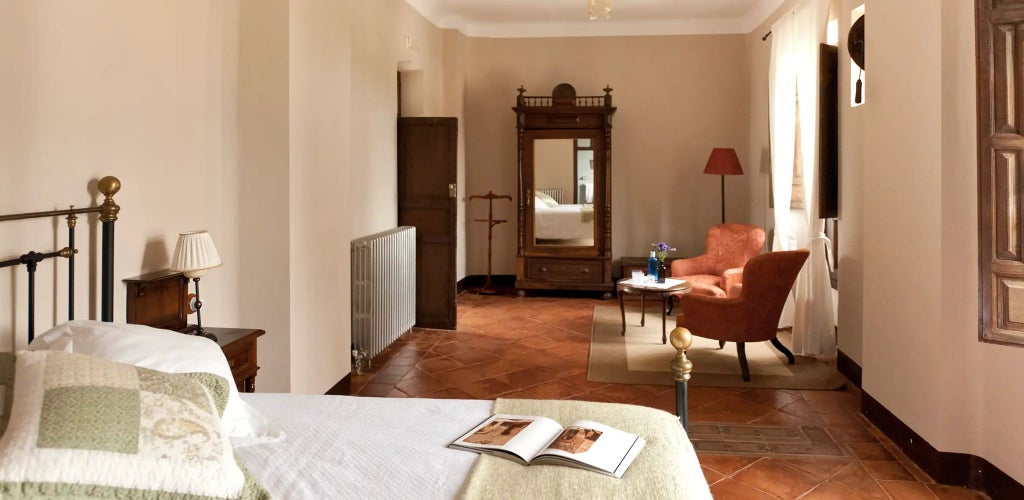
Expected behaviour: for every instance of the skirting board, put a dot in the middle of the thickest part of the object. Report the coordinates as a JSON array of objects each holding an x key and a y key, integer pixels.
[
  {"x": 957, "y": 469},
  {"x": 849, "y": 368},
  {"x": 342, "y": 388}
]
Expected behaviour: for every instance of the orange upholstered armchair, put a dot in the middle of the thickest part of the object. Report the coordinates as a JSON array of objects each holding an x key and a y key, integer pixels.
[
  {"x": 729, "y": 247},
  {"x": 753, "y": 314}
]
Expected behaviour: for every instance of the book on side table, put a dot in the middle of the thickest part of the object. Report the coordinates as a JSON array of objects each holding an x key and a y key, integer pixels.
[{"x": 533, "y": 440}]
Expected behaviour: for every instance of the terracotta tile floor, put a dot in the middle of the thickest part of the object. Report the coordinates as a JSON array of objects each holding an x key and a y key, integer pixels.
[{"x": 537, "y": 347}]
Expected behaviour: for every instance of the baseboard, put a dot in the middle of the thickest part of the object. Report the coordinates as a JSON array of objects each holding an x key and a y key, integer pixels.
[
  {"x": 478, "y": 280},
  {"x": 957, "y": 469},
  {"x": 342, "y": 388},
  {"x": 849, "y": 368}
]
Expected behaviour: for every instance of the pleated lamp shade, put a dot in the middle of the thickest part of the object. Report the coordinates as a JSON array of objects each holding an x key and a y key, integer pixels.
[{"x": 195, "y": 254}]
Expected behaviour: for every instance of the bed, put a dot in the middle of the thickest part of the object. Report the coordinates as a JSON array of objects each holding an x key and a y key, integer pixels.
[
  {"x": 301, "y": 446},
  {"x": 553, "y": 221}
]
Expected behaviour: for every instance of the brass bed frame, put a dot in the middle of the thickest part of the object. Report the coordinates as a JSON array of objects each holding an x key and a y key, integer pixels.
[{"x": 108, "y": 210}]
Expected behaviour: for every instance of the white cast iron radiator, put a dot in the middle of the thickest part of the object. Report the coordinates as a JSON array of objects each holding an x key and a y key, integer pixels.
[
  {"x": 383, "y": 291},
  {"x": 555, "y": 193}
]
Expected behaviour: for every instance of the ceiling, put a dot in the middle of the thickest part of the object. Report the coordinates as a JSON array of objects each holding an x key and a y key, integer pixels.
[{"x": 559, "y": 18}]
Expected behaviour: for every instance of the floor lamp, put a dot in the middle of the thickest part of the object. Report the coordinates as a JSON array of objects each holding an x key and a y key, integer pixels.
[{"x": 723, "y": 162}]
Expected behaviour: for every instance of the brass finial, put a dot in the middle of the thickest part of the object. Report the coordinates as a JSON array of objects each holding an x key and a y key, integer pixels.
[
  {"x": 109, "y": 186},
  {"x": 681, "y": 339},
  {"x": 521, "y": 90},
  {"x": 67, "y": 252},
  {"x": 72, "y": 218},
  {"x": 608, "y": 89}
]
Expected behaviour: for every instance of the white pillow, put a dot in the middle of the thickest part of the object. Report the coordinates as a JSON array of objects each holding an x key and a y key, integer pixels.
[
  {"x": 546, "y": 199},
  {"x": 165, "y": 351},
  {"x": 82, "y": 426}
]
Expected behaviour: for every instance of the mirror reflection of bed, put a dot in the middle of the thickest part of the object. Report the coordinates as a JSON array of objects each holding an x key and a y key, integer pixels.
[{"x": 564, "y": 192}]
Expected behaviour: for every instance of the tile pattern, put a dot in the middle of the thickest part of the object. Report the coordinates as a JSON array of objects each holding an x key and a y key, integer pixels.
[
  {"x": 763, "y": 439},
  {"x": 537, "y": 348}
]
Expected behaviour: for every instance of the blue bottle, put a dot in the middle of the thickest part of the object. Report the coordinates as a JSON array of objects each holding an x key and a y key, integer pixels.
[{"x": 652, "y": 266}]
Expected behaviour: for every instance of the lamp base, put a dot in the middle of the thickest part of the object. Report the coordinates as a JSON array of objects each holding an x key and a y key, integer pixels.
[{"x": 210, "y": 336}]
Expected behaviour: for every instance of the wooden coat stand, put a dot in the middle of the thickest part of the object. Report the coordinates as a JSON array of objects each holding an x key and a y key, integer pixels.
[{"x": 488, "y": 288}]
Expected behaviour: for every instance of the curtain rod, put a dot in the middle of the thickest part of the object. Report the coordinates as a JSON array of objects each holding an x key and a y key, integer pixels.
[{"x": 766, "y": 35}]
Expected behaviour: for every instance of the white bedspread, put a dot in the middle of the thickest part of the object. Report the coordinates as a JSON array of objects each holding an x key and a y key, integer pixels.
[
  {"x": 354, "y": 447},
  {"x": 563, "y": 222}
]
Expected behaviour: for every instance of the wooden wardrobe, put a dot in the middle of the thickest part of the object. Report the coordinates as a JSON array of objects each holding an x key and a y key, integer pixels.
[{"x": 565, "y": 194}]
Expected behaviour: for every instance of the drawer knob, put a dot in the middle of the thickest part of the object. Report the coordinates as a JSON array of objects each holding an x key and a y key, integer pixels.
[
  {"x": 543, "y": 269},
  {"x": 586, "y": 270}
]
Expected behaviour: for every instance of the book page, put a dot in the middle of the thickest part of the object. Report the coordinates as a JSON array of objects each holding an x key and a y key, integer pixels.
[
  {"x": 599, "y": 446},
  {"x": 523, "y": 436}
]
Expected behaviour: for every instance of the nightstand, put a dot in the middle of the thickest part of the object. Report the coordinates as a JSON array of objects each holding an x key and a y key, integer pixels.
[{"x": 239, "y": 346}]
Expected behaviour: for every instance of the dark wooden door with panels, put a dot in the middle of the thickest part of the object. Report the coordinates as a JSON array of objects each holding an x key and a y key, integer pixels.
[
  {"x": 1000, "y": 44},
  {"x": 427, "y": 190}
]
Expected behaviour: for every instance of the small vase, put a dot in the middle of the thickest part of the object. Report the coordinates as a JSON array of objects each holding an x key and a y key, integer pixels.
[{"x": 662, "y": 271}]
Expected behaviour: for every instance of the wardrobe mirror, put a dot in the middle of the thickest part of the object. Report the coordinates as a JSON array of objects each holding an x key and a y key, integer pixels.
[{"x": 563, "y": 204}]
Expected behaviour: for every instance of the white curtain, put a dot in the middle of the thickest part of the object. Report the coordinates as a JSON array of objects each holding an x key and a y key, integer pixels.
[{"x": 793, "y": 109}]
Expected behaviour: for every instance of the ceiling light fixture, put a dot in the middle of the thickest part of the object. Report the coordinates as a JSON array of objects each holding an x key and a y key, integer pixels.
[{"x": 599, "y": 9}]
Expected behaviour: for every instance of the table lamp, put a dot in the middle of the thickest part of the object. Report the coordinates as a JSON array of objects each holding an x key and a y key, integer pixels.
[
  {"x": 194, "y": 255},
  {"x": 723, "y": 162}
]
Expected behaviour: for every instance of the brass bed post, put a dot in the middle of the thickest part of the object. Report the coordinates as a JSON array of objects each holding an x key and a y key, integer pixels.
[
  {"x": 681, "y": 339},
  {"x": 108, "y": 186}
]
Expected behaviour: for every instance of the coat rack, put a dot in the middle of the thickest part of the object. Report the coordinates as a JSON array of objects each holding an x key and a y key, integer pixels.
[{"x": 488, "y": 288}]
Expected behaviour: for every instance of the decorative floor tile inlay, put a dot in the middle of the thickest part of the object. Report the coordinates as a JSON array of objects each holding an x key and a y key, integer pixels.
[{"x": 763, "y": 439}]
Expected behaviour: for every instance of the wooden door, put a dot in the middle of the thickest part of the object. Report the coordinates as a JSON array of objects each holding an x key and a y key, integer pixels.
[
  {"x": 1000, "y": 42},
  {"x": 427, "y": 149}
]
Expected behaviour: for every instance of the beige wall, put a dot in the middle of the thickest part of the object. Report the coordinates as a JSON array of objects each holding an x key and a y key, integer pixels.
[
  {"x": 922, "y": 359},
  {"x": 678, "y": 97},
  {"x": 145, "y": 91},
  {"x": 263, "y": 293},
  {"x": 320, "y": 103},
  {"x": 232, "y": 116},
  {"x": 553, "y": 159}
]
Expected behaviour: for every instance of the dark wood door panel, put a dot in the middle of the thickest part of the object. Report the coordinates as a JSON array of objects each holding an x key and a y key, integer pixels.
[
  {"x": 1000, "y": 37},
  {"x": 427, "y": 152}
]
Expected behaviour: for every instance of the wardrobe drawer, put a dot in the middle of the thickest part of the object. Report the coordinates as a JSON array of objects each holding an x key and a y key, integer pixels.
[{"x": 580, "y": 271}]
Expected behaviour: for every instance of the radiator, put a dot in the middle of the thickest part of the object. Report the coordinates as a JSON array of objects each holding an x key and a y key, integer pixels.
[
  {"x": 383, "y": 291},
  {"x": 555, "y": 193}
]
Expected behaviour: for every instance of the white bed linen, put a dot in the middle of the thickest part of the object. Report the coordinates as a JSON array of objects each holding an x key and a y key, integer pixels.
[
  {"x": 357, "y": 447},
  {"x": 562, "y": 222}
]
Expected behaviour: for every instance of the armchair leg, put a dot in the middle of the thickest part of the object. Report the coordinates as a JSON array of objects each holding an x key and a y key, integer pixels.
[
  {"x": 721, "y": 344},
  {"x": 778, "y": 345},
  {"x": 741, "y": 352}
]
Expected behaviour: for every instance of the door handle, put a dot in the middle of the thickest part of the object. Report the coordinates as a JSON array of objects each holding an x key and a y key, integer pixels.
[
  {"x": 529, "y": 196},
  {"x": 453, "y": 190}
]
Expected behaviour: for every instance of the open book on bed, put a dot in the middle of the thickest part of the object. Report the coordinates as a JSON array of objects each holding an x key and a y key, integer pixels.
[{"x": 540, "y": 440}]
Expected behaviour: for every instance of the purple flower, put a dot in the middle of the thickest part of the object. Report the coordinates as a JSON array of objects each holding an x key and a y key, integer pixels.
[{"x": 662, "y": 249}]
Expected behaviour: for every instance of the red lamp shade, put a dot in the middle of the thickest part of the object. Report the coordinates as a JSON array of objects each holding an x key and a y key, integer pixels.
[{"x": 723, "y": 161}]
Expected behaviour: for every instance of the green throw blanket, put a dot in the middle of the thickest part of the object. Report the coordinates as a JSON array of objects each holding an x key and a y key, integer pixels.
[{"x": 666, "y": 468}]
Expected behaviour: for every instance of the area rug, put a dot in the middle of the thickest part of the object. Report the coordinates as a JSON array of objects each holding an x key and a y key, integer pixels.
[{"x": 639, "y": 357}]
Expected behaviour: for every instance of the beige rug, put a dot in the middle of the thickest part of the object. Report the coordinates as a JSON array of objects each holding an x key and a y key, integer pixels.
[{"x": 639, "y": 357}]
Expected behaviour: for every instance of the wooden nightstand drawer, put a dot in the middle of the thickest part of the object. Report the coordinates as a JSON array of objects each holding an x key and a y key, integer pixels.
[{"x": 239, "y": 346}]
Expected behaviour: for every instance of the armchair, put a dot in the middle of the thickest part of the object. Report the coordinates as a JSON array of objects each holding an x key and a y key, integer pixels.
[
  {"x": 752, "y": 315},
  {"x": 720, "y": 269}
]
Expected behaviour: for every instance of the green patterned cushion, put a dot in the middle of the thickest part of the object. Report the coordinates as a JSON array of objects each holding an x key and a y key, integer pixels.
[{"x": 84, "y": 426}]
